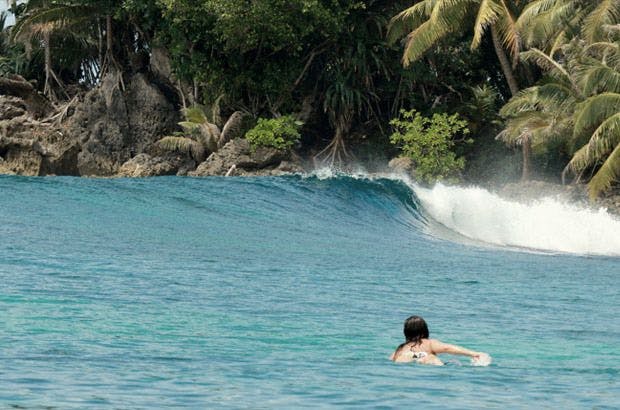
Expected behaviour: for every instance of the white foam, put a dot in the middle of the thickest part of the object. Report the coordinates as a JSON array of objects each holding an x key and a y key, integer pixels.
[
  {"x": 547, "y": 224},
  {"x": 482, "y": 360},
  {"x": 329, "y": 173}
]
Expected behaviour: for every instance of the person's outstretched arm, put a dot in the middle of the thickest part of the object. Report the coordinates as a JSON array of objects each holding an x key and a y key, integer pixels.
[{"x": 440, "y": 347}]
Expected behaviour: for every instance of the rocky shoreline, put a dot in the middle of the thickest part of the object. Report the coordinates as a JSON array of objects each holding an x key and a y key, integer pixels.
[{"x": 112, "y": 131}]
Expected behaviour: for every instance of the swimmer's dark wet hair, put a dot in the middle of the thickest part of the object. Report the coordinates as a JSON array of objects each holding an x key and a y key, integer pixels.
[{"x": 415, "y": 330}]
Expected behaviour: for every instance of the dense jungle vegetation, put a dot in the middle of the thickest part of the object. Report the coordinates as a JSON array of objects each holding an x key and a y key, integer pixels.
[{"x": 543, "y": 76}]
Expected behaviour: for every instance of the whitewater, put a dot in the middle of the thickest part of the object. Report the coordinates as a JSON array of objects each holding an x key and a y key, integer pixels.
[
  {"x": 290, "y": 292},
  {"x": 545, "y": 224}
]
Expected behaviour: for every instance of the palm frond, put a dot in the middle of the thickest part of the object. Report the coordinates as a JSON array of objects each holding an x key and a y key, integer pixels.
[
  {"x": 597, "y": 77},
  {"x": 525, "y": 100},
  {"x": 231, "y": 128},
  {"x": 549, "y": 65},
  {"x": 209, "y": 136},
  {"x": 509, "y": 31},
  {"x": 606, "y": 13},
  {"x": 216, "y": 115},
  {"x": 488, "y": 13},
  {"x": 183, "y": 145},
  {"x": 550, "y": 97},
  {"x": 420, "y": 40},
  {"x": 190, "y": 126},
  {"x": 409, "y": 19},
  {"x": 195, "y": 114},
  {"x": 606, "y": 176},
  {"x": 603, "y": 140},
  {"x": 534, "y": 125},
  {"x": 50, "y": 19},
  {"x": 593, "y": 111},
  {"x": 544, "y": 23}
]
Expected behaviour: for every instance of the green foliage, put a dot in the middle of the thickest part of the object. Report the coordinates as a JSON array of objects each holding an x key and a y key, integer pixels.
[
  {"x": 577, "y": 101},
  {"x": 183, "y": 145},
  {"x": 280, "y": 133},
  {"x": 429, "y": 142},
  {"x": 200, "y": 135},
  {"x": 427, "y": 22}
]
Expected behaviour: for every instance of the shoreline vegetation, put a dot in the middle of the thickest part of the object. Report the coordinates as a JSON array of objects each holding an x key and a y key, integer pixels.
[{"x": 488, "y": 93}]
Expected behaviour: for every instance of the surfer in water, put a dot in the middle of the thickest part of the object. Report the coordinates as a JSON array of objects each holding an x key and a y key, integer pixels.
[{"x": 420, "y": 349}]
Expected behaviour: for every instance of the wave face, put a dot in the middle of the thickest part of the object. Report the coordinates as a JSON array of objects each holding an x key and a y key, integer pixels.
[{"x": 546, "y": 224}]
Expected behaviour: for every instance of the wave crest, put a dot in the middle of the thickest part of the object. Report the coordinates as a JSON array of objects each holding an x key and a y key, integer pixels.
[{"x": 546, "y": 224}]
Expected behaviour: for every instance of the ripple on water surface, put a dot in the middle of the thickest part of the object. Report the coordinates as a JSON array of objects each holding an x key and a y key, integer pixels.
[{"x": 287, "y": 292}]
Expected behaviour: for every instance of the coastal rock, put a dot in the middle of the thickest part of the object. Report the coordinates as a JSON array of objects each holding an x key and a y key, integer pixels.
[
  {"x": 11, "y": 107},
  {"x": 238, "y": 154},
  {"x": 113, "y": 124},
  {"x": 4, "y": 170},
  {"x": 16, "y": 86},
  {"x": 33, "y": 147},
  {"x": 143, "y": 165}
]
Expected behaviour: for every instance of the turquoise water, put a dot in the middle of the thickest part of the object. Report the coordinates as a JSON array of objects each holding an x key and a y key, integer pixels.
[{"x": 288, "y": 293}]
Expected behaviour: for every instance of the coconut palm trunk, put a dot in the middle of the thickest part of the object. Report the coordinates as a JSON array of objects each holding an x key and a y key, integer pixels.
[
  {"x": 514, "y": 89},
  {"x": 504, "y": 62},
  {"x": 526, "y": 147},
  {"x": 47, "y": 89}
]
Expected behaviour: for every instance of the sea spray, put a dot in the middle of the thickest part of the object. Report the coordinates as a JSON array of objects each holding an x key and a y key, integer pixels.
[{"x": 546, "y": 224}]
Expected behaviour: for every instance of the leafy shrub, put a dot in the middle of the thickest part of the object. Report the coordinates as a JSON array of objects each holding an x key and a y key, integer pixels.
[
  {"x": 280, "y": 133},
  {"x": 429, "y": 143}
]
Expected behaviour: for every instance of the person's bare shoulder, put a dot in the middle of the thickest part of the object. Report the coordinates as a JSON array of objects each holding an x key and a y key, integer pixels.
[{"x": 437, "y": 346}]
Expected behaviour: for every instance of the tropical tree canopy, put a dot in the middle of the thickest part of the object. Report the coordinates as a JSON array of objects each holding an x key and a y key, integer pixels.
[{"x": 543, "y": 74}]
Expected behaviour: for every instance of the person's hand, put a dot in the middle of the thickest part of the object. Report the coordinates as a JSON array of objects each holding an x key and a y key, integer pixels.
[{"x": 480, "y": 359}]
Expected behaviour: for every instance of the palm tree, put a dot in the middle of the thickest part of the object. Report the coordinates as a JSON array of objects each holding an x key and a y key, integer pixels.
[
  {"x": 428, "y": 21},
  {"x": 542, "y": 113},
  {"x": 602, "y": 113},
  {"x": 202, "y": 134},
  {"x": 579, "y": 103},
  {"x": 549, "y": 24},
  {"x": 40, "y": 23},
  {"x": 44, "y": 21}
]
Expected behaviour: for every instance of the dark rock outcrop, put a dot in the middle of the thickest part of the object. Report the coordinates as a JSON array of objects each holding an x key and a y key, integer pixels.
[
  {"x": 32, "y": 147},
  {"x": 112, "y": 125},
  {"x": 237, "y": 158},
  {"x": 111, "y": 131},
  {"x": 35, "y": 103}
]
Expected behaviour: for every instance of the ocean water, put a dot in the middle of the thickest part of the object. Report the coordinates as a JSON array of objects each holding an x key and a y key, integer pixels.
[{"x": 291, "y": 292}]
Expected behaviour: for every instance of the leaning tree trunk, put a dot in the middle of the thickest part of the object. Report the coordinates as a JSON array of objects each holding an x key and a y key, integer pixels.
[
  {"x": 47, "y": 88},
  {"x": 108, "y": 35},
  {"x": 503, "y": 61},
  {"x": 526, "y": 148},
  {"x": 110, "y": 64},
  {"x": 514, "y": 89}
]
